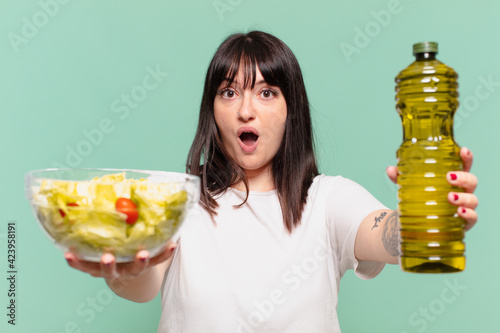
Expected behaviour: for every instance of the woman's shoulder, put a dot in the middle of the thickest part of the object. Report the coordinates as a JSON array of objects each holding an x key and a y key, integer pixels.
[
  {"x": 326, "y": 180},
  {"x": 324, "y": 185}
]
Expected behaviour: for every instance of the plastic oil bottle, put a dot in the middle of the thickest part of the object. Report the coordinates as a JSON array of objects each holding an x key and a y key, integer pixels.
[{"x": 431, "y": 231}]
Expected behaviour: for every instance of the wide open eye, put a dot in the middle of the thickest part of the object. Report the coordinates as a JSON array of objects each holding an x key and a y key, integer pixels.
[
  {"x": 227, "y": 92},
  {"x": 268, "y": 93}
]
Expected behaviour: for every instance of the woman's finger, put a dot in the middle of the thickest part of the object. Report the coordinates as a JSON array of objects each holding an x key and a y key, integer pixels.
[
  {"x": 164, "y": 255},
  {"x": 91, "y": 268},
  {"x": 110, "y": 270},
  {"x": 469, "y": 215},
  {"x": 467, "y": 158},
  {"x": 392, "y": 172},
  {"x": 463, "y": 199},
  {"x": 463, "y": 179},
  {"x": 108, "y": 267},
  {"x": 141, "y": 262},
  {"x": 71, "y": 259}
]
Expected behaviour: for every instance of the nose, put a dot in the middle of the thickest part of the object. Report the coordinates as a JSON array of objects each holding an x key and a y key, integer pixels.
[{"x": 246, "y": 110}]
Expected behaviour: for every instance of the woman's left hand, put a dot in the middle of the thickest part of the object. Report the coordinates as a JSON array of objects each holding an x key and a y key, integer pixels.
[{"x": 466, "y": 201}]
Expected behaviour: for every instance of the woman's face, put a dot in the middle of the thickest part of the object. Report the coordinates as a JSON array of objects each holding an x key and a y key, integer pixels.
[{"x": 251, "y": 122}]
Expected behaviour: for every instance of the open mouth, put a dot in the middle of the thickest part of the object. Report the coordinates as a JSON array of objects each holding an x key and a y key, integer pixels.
[{"x": 249, "y": 138}]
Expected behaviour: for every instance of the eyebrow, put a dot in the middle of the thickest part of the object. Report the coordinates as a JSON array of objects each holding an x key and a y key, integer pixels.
[{"x": 235, "y": 81}]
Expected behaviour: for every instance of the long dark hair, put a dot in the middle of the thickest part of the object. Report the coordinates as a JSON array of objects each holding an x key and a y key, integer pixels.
[{"x": 294, "y": 165}]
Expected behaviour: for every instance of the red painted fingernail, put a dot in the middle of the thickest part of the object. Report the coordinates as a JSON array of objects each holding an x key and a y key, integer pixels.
[
  {"x": 142, "y": 259},
  {"x": 463, "y": 210},
  {"x": 69, "y": 260},
  {"x": 453, "y": 176},
  {"x": 455, "y": 197}
]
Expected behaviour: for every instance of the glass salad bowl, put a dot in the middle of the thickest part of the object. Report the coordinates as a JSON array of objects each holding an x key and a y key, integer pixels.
[{"x": 95, "y": 211}]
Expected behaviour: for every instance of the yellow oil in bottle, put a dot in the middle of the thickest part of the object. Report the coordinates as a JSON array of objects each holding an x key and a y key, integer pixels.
[{"x": 431, "y": 231}]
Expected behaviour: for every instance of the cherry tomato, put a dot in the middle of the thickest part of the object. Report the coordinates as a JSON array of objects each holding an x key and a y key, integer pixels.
[
  {"x": 72, "y": 204},
  {"x": 129, "y": 208}
]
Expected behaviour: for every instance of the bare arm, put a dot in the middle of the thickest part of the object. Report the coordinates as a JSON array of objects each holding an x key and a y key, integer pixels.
[
  {"x": 377, "y": 238},
  {"x": 138, "y": 281},
  {"x": 142, "y": 288}
]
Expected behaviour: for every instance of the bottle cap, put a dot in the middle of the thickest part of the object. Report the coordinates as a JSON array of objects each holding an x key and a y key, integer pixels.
[{"x": 424, "y": 47}]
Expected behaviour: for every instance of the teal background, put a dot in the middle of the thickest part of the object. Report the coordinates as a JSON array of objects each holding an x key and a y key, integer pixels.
[{"x": 62, "y": 81}]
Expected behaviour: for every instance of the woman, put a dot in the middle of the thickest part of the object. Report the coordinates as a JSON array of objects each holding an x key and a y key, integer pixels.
[{"x": 266, "y": 250}]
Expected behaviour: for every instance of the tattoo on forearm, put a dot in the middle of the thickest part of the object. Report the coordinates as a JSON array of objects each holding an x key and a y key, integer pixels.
[
  {"x": 378, "y": 219},
  {"x": 390, "y": 234}
]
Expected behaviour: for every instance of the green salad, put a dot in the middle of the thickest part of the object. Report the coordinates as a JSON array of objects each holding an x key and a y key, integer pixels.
[{"x": 109, "y": 213}]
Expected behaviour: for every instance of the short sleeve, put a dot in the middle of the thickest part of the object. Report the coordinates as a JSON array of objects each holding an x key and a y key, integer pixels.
[{"x": 347, "y": 204}]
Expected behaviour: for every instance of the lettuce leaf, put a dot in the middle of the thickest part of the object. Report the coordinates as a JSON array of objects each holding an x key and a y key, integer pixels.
[{"x": 82, "y": 216}]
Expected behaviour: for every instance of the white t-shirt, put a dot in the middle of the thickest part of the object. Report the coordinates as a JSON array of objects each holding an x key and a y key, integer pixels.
[{"x": 247, "y": 274}]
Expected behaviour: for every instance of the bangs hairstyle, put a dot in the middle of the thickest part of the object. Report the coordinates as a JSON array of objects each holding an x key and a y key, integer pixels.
[{"x": 294, "y": 165}]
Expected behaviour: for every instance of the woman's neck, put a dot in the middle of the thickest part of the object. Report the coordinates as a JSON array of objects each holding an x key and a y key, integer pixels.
[{"x": 260, "y": 180}]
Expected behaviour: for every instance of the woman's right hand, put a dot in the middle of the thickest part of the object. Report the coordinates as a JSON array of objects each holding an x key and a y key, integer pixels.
[{"x": 110, "y": 270}]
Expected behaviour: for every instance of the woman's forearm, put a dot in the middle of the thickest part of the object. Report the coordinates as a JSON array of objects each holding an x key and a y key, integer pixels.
[{"x": 143, "y": 288}]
